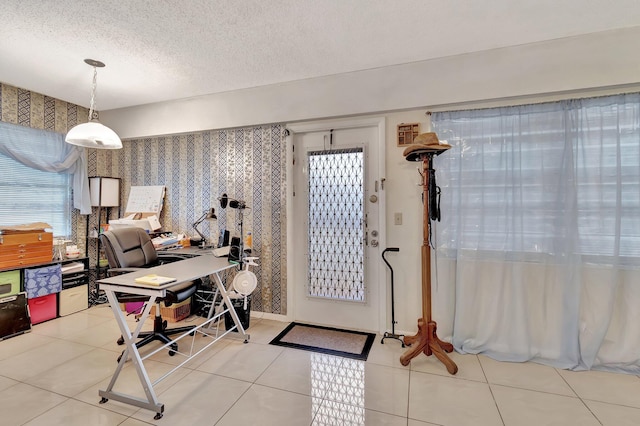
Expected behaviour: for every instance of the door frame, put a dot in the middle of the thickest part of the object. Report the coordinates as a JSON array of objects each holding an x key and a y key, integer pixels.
[{"x": 326, "y": 125}]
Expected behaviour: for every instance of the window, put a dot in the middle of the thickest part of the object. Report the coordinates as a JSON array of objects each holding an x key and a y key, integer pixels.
[
  {"x": 336, "y": 192},
  {"x": 558, "y": 178},
  {"x": 29, "y": 195},
  {"x": 36, "y": 181}
]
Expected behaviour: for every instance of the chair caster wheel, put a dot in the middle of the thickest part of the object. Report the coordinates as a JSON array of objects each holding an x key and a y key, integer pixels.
[
  {"x": 120, "y": 357},
  {"x": 164, "y": 324},
  {"x": 103, "y": 400},
  {"x": 120, "y": 341},
  {"x": 158, "y": 416},
  {"x": 173, "y": 350}
]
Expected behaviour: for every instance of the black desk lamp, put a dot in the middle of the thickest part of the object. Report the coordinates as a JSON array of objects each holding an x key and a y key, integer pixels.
[{"x": 209, "y": 214}]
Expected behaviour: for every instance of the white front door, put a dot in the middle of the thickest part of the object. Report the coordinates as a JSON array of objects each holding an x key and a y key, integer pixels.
[{"x": 337, "y": 226}]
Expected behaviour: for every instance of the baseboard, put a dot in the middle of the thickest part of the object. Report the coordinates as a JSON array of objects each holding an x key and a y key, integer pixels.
[{"x": 269, "y": 316}]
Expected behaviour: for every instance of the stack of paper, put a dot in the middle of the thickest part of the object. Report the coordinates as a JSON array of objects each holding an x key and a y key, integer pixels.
[
  {"x": 167, "y": 241},
  {"x": 153, "y": 279}
]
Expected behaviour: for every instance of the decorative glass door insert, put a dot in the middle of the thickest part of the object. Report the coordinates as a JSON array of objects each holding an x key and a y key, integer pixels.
[{"x": 336, "y": 226}]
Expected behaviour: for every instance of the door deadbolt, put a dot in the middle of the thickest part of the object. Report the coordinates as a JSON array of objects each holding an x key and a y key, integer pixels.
[
  {"x": 373, "y": 198},
  {"x": 374, "y": 243}
]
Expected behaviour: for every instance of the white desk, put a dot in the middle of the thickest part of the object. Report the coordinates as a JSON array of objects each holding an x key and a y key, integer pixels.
[{"x": 183, "y": 270}]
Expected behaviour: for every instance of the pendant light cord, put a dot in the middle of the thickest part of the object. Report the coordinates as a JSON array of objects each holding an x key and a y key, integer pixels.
[{"x": 94, "y": 86}]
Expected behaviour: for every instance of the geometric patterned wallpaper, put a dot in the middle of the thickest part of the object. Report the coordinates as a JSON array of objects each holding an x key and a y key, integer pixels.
[
  {"x": 196, "y": 169},
  {"x": 30, "y": 109}
]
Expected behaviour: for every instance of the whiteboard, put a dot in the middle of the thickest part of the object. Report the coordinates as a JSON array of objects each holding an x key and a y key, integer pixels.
[{"x": 145, "y": 199}]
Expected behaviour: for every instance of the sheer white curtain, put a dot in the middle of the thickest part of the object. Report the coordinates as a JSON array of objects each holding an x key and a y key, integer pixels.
[
  {"x": 540, "y": 232},
  {"x": 47, "y": 151}
]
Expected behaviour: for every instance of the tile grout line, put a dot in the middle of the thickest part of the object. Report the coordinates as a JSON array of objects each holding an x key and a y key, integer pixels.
[
  {"x": 248, "y": 388},
  {"x": 577, "y": 395},
  {"x": 490, "y": 389}
]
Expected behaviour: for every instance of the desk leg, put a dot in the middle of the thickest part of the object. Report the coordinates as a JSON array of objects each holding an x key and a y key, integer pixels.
[
  {"x": 212, "y": 308},
  {"x": 130, "y": 338},
  {"x": 227, "y": 303}
]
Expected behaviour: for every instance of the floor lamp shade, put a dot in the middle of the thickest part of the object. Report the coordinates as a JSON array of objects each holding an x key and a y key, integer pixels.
[{"x": 105, "y": 191}]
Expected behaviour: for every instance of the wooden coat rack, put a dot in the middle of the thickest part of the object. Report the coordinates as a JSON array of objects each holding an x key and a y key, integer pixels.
[{"x": 424, "y": 148}]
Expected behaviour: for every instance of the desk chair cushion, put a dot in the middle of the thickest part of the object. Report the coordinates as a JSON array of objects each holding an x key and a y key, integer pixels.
[{"x": 180, "y": 293}]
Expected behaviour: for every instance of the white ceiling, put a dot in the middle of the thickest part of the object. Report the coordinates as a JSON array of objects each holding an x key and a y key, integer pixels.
[{"x": 173, "y": 49}]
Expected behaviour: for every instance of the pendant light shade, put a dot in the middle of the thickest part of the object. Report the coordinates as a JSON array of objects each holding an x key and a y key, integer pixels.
[{"x": 93, "y": 134}]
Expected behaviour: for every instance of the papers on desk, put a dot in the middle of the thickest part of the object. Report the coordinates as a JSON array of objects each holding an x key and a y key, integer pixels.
[
  {"x": 153, "y": 279},
  {"x": 167, "y": 241},
  {"x": 221, "y": 251},
  {"x": 149, "y": 223}
]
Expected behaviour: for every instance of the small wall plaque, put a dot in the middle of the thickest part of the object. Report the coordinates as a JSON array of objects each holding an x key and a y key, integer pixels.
[{"x": 406, "y": 133}]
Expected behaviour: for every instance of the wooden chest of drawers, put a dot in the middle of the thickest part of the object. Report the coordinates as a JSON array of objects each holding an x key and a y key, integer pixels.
[{"x": 20, "y": 248}]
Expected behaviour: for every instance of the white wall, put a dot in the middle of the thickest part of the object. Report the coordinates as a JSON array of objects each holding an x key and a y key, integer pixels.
[
  {"x": 517, "y": 74},
  {"x": 575, "y": 63},
  {"x": 404, "y": 196}
]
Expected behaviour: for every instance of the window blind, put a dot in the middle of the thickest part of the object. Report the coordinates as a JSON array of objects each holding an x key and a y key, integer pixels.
[{"x": 30, "y": 195}]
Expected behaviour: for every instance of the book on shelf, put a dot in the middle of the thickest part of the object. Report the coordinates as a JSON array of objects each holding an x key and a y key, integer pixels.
[{"x": 153, "y": 279}]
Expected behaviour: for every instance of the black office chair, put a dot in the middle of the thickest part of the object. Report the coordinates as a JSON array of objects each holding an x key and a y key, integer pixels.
[{"x": 130, "y": 249}]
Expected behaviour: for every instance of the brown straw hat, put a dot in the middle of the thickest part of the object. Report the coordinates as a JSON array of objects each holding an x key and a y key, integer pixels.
[{"x": 422, "y": 144}]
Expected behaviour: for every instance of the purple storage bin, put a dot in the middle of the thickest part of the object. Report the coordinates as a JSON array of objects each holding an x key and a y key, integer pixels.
[{"x": 43, "y": 281}]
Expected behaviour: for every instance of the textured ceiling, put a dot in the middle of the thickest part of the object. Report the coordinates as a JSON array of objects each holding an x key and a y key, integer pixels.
[{"x": 174, "y": 49}]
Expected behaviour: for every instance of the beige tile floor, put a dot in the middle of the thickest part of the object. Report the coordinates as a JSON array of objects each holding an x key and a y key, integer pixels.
[{"x": 51, "y": 376}]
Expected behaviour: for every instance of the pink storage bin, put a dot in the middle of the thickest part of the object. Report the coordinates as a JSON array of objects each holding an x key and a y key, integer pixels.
[{"x": 43, "y": 308}]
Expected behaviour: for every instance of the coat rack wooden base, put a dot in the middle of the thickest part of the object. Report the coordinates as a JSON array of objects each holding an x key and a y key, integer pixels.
[
  {"x": 426, "y": 341},
  {"x": 429, "y": 344}
]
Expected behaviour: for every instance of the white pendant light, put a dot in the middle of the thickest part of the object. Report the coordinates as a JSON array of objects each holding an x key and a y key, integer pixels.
[{"x": 93, "y": 134}]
